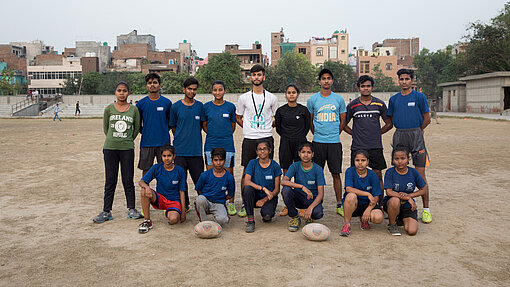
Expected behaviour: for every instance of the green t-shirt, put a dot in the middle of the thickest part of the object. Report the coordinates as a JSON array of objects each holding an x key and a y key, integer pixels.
[{"x": 120, "y": 129}]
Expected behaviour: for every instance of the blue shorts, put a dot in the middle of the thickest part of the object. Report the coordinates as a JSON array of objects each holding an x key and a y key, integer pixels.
[{"x": 229, "y": 161}]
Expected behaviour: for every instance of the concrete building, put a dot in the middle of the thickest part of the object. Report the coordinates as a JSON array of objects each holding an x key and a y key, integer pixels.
[
  {"x": 188, "y": 57},
  {"x": 14, "y": 59},
  {"x": 383, "y": 57},
  {"x": 405, "y": 49},
  {"x": 140, "y": 58},
  {"x": 32, "y": 49},
  {"x": 454, "y": 96},
  {"x": 92, "y": 49},
  {"x": 49, "y": 77},
  {"x": 134, "y": 38},
  {"x": 317, "y": 49}
]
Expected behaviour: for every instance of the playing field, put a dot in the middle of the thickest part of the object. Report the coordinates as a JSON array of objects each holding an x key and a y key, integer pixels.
[{"x": 52, "y": 178}]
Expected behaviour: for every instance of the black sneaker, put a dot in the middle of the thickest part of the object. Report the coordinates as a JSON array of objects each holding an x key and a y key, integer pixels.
[
  {"x": 250, "y": 226},
  {"x": 145, "y": 226},
  {"x": 133, "y": 213},
  {"x": 266, "y": 218},
  {"x": 102, "y": 217}
]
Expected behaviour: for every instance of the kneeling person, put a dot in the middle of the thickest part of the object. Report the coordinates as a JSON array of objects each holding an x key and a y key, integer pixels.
[
  {"x": 214, "y": 187},
  {"x": 361, "y": 197},
  {"x": 307, "y": 190},
  {"x": 169, "y": 193}
]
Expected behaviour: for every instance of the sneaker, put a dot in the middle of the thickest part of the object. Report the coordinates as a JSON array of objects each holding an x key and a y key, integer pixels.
[
  {"x": 284, "y": 211},
  {"x": 365, "y": 225},
  {"x": 102, "y": 217},
  {"x": 187, "y": 209},
  {"x": 133, "y": 213},
  {"x": 393, "y": 229},
  {"x": 266, "y": 218},
  {"x": 426, "y": 217},
  {"x": 242, "y": 212},
  {"x": 232, "y": 209},
  {"x": 145, "y": 226},
  {"x": 294, "y": 224},
  {"x": 250, "y": 226},
  {"x": 346, "y": 230},
  {"x": 309, "y": 220},
  {"x": 340, "y": 210}
]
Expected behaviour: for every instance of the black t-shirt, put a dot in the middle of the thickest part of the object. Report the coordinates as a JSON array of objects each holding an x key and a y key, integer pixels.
[
  {"x": 366, "y": 125},
  {"x": 292, "y": 122}
]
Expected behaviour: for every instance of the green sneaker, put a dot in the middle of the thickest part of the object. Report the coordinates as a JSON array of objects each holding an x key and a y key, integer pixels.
[
  {"x": 340, "y": 210},
  {"x": 294, "y": 224},
  {"x": 426, "y": 217},
  {"x": 309, "y": 220},
  {"x": 242, "y": 212},
  {"x": 232, "y": 209}
]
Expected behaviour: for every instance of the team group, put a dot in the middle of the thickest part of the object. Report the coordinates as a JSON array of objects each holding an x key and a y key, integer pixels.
[{"x": 326, "y": 116}]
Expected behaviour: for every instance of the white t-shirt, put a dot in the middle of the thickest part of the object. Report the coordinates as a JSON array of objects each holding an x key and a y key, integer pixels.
[{"x": 257, "y": 124}]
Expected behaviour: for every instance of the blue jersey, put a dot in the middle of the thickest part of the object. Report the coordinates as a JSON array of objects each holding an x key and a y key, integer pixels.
[
  {"x": 403, "y": 183},
  {"x": 369, "y": 183},
  {"x": 188, "y": 131},
  {"x": 216, "y": 188},
  {"x": 219, "y": 126},
  {"x": 407, "y": 111},
  {"x": 154, "y": 116},
  {"x": 326, "y": 116},
  {"x": 169, "y": 182},
  {"x": 263, "y": 176},
  {"x": 312, "y": 178}
]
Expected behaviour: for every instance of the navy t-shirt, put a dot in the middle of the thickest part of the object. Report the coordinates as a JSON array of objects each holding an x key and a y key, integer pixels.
[
  {"x": 369, "y": 183},
  {"x": 312, "y": 178},
  {"x": 403, "y": 183},
  {"x": 169, "y": 183},
  {"x": 154, "y": 117},
  {"x": 219, "y": 126},
  {"x": 407, "y": 111},
  {"x": 263, "y": 176},
  {"x": 366, "y": 125},
  {"x": 214, "y": 188},
  {"x": 188, "y": 132}
]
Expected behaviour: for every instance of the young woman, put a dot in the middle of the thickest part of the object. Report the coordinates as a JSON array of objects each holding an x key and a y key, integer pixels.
[
  {"x": 261, "y": 185},
  {"x": 220, "y": 124},
  {"x": 121, "y": 124}
]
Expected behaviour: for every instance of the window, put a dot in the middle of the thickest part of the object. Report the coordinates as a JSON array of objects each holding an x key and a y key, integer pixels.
[
  {"x": 333, "y": 52},
  {"x": 342, "y": 38},
  {"x": 302, "y": 50},
  {"x": 319, "y": 51},
  {"x": 343, "y": 51},
  {"x": 276, "y": 51},
  {"x": 364, "y": 67},
  {"x": 388, "y": 66}
]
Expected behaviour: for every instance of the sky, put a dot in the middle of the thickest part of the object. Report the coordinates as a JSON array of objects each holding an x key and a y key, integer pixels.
[{"x": 210, "y": 24}]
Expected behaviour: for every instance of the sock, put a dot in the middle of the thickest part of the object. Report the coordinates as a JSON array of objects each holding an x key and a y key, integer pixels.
[
  {"x": 347, "y": 222},
  {"x": 252, "y": 218},
  {"x": 338, "y": 204},
  {"x": 230, "y": 203},
  {"x": 427, "y": 209}
]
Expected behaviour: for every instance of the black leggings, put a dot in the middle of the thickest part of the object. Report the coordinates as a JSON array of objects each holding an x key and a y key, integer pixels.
[
  {"x": 112, "y": 158},
  {"x": 195, "y": 166}
]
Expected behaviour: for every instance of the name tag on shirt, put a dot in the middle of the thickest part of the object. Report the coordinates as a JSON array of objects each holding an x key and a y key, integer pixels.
[
  {"x": 411, "y": 104},
  {"x": 197, "y": 117},
  {"x": 223, "y": 188},
  {"x": 160, "y": 109},
  {"x": 369, "y": 187},
  {"x": 225, "y": 115},
  {"x": 311, "y": 182},
  {"x": 269, "y": 177},
  {"x": 175, "y": 181}
]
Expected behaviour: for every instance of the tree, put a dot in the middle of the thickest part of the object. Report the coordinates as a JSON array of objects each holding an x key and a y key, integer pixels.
[
  {"x": 383, "y": 83},
  {"x": 292, "y": 68},
  {"x": 225, "y": 67},
  {"x": 7, "y": 82},
  {"x": 91, "y": 82},
  {"x": 345, "y": 77},
  {"x": 171, "y": 83},
  {"x": 71, "y": 86}
]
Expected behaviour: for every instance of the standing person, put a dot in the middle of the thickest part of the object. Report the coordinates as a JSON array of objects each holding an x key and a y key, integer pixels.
[
  {"x": 220, "y": 124},
  {"x": 261, "y": 185},
  {"x": 56, "y": 110},
  {"x": 154, "y": 115},
  {"x": 434, "y": 111},
  {"x": 292, "y": 122},
  {"x": 255, "y": 111},
  {"x": 36, "y": 94},
  {"x": 186, "y": 117},
  {"x": 121, "y": 124},
  {"x": 77, "y": 111},
  {"x": 366, "y": 113},
  {"x": 328, "y": 112},
  {"x": 409, "y": 112}
]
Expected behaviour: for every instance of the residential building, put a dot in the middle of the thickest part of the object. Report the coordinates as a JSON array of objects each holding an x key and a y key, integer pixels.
[
  {"x": 188, "y": 57},
  {"x": 134, "y": 38},
  {"x": 383, "y": 58},
  {"x": 13, "y": 58},
  {"x": 51, "y": 72},
  {"x": 32, "y": 49},
  {"x": 92, "y": 49},
  {"x": 140, "y": 58},
  {"x": 405, "y": 49}
]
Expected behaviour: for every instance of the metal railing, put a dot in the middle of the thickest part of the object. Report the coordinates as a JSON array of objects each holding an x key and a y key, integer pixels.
[{"x": 23, "y": 104}]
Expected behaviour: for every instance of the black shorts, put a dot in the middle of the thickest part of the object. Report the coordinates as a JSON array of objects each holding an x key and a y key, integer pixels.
[
  {"x": 375, "y": 159},
  {"x": 413, "y": 141},
  {"x": 404, "y": 212},
  {"x": 361, "y": 208},
  {"x": 288, "y": 152},
  {"x": 147, "y": 155},
  {"x": 193, "y": 164},
  {"x": 249, "y": 147},
  {"x": 330, "y": 153}
]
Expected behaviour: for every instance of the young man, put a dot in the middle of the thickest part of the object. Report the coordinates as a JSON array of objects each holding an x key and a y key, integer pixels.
[
  {"x": 186, "y": 117},
  {"x": 409, "y": 112},
  {"x": 56, "y": 110},
  {"x": 327, "y": 111},
  {"x": 169, "y": 193},
  {"x": 366, "y": 112},
  {"x": 255, "y": 111},
  {"x": 214, "y": 187},
  {"x": 77, "y": 111},
  {"x": 154, "y": 114},
  {"x": 434, "y": 111}
]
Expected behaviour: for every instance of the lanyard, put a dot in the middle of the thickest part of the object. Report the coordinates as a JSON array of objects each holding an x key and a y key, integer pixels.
[{"x": 258, "y": 114}]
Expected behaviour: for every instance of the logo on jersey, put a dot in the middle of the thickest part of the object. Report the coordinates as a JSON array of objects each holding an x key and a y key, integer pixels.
[{"x": 410, "y": 186}]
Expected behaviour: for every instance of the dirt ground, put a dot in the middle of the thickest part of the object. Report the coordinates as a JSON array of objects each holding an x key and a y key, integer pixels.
[{"x": 52, "y": 179}]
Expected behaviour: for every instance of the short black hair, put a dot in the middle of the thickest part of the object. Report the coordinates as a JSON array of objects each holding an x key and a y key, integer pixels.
[
  {"x": 398, "y": 149},
  {"x": 293, "y": 86},
  {"x": 218, "y": 82},
  {"x": 406, "y": 72},
  {"x": 363, "y": 79},
  {"x": 264, "y": 141},
  {"x": 168, "y": 147},
  {"x": 121, "y": 83},
  {"x": 305, "y": 144},
  {"x": 190, "y": 81},
  {"x": 326, "y": 71},
  {"x": 360, "y": 151},
  {"x": 257, "y": 68},
  {"x": 218, "y": 151},
  {"x": 152, "y": 76}
]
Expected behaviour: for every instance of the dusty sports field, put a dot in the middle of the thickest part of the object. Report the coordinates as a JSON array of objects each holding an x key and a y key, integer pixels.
[{"x": 51, "y": 186}]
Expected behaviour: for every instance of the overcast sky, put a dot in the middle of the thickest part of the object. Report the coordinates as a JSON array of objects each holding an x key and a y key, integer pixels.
[{"x": 210, "y": 24}]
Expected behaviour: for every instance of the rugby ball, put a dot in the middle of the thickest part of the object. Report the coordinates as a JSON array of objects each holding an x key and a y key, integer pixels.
[
  {"x": 316, "y": 232},
  {"x": 207, "y": 229}
]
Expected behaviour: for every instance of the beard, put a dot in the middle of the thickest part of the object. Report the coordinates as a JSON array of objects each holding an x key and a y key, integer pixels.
[{"x": 257, "y": 84}]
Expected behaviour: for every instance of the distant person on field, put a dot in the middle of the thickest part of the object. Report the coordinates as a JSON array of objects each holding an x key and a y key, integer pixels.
[
  {"x": 77, "y": 111},
  {"x": 214, "y": 187},
  {"x": 56, "y": 110},
  {"x": 409, "y": 112},
  {"x": 121, "y": 124},
  {"x": 434, "y": 111},
  {"x": 155, "y": 115}
]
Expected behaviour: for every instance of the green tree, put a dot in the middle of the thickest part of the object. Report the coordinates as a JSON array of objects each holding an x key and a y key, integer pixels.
[
  {"x": 71, "y": 86},
  {"x": 294, "y": 68},
  {"x": 171, "y": 83},
  {"x": 225, "y": 67},
  {"x": 91, "y": 82},
  {"x": 383, "y": 83},
  {"x": 345, "y": 77},
  {"x": 7, "y": 82}
]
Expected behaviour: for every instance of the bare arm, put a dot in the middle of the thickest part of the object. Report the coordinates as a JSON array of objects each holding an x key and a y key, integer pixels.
[
  {"x": 173, "y": 130},
  {"x": 239, "y": 120},
  {"x": 233, "y": 126},
  {"x": 343, "y": 122},
  {"x": 312, "y": 127},
  {"x": 388, "y": 125},
  {"x": 204, "y": 126},
  {"x": 426, "y": 121}
]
